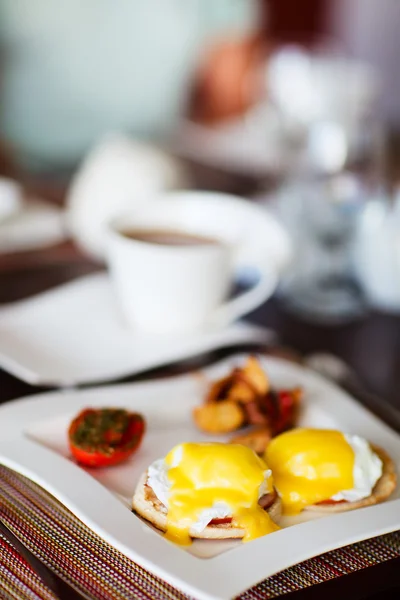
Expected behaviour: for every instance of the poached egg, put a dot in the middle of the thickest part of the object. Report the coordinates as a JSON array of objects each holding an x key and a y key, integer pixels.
[
  {"x": 200, "y": 482},
  {"x": 310, "y": 466}
]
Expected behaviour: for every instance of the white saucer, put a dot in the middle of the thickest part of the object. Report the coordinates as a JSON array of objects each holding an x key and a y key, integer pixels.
[
  {"x": 36, "y": 225},
  {"x": 75, "y": 335},
  {"x": 10, "y": 198}
]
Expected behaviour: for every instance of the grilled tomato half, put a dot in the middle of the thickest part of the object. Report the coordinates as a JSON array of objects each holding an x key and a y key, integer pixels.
[{"x": 101, "y": 437}]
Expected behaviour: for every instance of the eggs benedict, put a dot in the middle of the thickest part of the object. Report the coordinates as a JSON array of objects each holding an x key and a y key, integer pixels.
[
  {"x": 209, "y": 491},
  {"x": 328, "y": 471}
]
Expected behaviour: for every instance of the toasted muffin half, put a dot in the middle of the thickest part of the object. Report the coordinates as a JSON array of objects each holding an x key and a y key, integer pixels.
[{"x": 146, "y": 505}]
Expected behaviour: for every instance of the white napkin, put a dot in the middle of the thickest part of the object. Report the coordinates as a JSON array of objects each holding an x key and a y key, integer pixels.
[
  {"x": 36, "y": 225},
  {"x": 10, "y": 197}
]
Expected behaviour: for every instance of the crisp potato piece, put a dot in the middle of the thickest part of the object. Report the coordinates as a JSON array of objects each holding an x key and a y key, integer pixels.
[
  {"x": 257, "y": 439},
  {"x": 242, "y": 385},
  {"x": 255, "y": 375},
  {"x": 241, "y": 391},
  {"x": 219, "y": 390},
  {"x": 219, "y": 417}
]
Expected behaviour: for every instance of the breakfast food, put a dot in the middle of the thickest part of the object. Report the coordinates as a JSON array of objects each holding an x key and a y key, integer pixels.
[
  {"x": 245, "y": 397},
  {"x": 328, "y": 471},
  {"x": 209, "y": 491},
  {"x": 219, "y": 417},
  {"x": 105, "y": 436},
  {"x": 257, "y": 438}
]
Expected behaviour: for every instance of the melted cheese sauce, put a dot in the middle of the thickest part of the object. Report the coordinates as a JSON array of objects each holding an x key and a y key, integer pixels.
[
  {"x": 203, "y": 476},
  {"x": 310, "y": 466}
]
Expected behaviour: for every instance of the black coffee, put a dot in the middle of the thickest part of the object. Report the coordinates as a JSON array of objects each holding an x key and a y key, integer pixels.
[{"x": 168, "y": 237}]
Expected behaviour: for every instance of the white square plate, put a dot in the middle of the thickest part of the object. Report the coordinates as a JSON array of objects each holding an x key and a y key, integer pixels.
[{"x": 34, "y": 443}]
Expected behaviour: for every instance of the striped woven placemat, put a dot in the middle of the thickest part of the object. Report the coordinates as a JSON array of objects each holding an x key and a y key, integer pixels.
[{"x": 93, "y": 567}]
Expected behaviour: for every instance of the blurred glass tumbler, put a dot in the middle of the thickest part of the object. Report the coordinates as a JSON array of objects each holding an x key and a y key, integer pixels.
[
  {"x": 334, "y": 144},
  {"x": 322, "y": 215},
  {"x": 326, "y": 105}
]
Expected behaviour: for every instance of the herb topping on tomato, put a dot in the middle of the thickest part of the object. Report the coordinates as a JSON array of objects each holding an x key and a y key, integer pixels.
[{"x": 105, "y": 436}]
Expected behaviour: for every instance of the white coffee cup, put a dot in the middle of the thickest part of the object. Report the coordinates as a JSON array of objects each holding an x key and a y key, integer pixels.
[{"x": 184, "y": 288}]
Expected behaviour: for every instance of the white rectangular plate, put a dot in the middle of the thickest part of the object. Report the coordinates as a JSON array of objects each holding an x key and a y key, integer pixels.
[{"x": 34, "y": 443}]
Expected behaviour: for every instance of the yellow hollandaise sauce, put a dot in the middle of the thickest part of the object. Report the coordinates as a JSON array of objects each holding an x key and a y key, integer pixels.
[
  {"x": 310, "y": 466},
  {"x": 211, "y": 473}
]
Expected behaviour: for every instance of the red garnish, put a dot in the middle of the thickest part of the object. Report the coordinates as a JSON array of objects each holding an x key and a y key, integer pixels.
[
  {"x": 105, "y": 436},
  {"x": 224, "y": 521},
  {"x": 281, "y": 409}
]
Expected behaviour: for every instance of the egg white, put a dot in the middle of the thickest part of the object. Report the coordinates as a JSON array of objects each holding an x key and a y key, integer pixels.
[{"x": 367, "y": 470}]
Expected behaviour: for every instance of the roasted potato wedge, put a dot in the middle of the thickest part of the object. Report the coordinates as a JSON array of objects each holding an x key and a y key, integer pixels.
[
  {"x": 241, "y": 391},
  {"x": 245, "y": 397},
  {"x": 219, "y": 417},
  {"x": 255, "y": 375},
  {"x": 257, "y": 439},
  {"x": 219, "y": 390}
]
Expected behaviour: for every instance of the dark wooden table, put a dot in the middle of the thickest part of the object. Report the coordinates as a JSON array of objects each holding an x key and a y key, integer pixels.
[{"x": 371, "y": 346}]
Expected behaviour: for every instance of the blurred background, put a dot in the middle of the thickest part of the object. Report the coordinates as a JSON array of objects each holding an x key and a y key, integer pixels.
[
  {"x": 72, "y": 75},
  {"x": 294, "y": 105}
]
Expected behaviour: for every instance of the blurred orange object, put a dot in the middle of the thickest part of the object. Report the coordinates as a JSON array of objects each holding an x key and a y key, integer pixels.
[{"x": 229, "y": 80}]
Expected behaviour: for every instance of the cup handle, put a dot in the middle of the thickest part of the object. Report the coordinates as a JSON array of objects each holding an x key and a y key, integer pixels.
[{"x": 246, "y": 301}]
